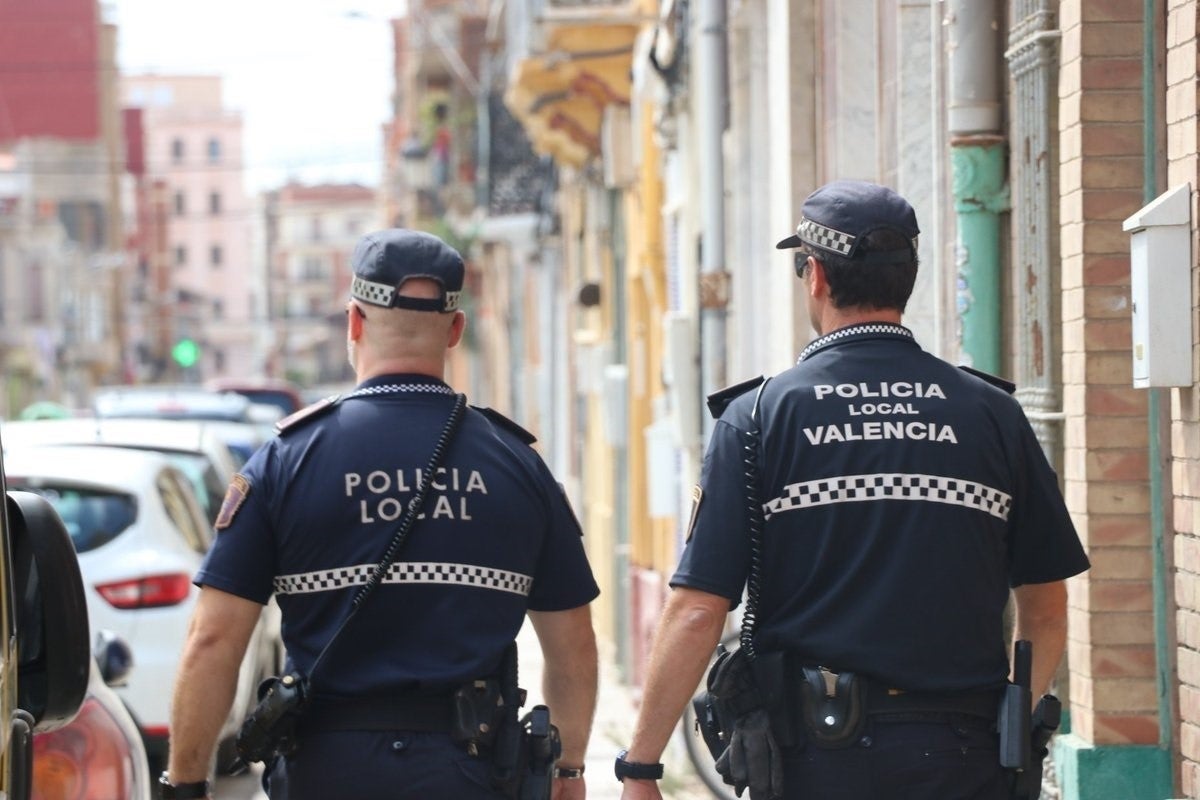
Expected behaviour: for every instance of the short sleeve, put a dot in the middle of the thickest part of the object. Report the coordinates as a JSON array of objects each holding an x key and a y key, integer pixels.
[
  {"x": 563, "y": 579},
  {"x": 241, "y": 560},
  {"x": 1044, "y": 546},
  {"x": 717, "y": 555}
]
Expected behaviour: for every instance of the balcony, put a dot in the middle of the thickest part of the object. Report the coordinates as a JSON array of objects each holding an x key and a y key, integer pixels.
[{"x": 559, "y": 93}]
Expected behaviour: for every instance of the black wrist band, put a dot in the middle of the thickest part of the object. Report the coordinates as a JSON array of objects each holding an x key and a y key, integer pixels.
[
  {"x": 196, "y": 790},
  {"x": 569, "y": 772},
  {"x": 632, "y": 769}
]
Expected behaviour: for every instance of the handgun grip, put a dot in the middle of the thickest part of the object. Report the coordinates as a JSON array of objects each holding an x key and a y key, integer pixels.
[{"x": 1023, "y": 663}]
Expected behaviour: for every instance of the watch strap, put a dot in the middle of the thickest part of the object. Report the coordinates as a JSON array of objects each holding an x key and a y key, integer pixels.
[
  {"x": 570, "y": 773},
  {"x": 195, "y": 790},
  {"x": 636, "y": 770}
]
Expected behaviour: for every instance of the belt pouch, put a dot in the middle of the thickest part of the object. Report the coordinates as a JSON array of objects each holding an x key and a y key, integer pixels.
[
  {"x": 776, "y": 695},
  {"x": 478, "y": 709},
  {"x": 832, "y": 719}
]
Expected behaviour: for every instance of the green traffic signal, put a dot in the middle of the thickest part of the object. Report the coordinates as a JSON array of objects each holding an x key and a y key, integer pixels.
[{"x": 186, "y": 352}]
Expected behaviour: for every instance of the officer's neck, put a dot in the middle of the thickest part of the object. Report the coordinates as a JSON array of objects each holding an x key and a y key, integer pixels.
[
  {"x": 434, "y": 368},
  {"x": 832, "y": 319}
]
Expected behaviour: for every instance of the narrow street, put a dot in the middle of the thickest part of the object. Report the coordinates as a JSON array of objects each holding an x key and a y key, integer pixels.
[{"x": 615, "y": 713}]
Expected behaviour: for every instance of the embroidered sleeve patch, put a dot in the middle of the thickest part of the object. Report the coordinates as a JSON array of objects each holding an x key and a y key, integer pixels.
[
  {"x": 235, "y": 495},
  {"x": 697, "y": 496}
]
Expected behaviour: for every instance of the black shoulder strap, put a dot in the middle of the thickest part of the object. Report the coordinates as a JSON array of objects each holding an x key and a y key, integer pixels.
[
  {"x": 410, "y": 515},
  {"x": 506, "y": 423},
  {"x": 994, "y": 380},
  {"x": 719, "y": 400}
]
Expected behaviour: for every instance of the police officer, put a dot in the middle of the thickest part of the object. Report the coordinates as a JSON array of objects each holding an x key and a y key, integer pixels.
[
  {"x": 313, "y": 511},
  {"x": 903, "y": 498}
]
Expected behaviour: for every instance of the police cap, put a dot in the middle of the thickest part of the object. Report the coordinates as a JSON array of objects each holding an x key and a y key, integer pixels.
[
  {"x": 837, "y": 216},
  {"x": 385, "y": 259}
]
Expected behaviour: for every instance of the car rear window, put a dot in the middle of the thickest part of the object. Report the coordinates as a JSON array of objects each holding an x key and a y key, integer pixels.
[{"x": 93, "y": 518}]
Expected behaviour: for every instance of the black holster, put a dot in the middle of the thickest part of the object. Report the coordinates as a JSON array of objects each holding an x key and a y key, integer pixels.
[
  {"x": 270, "y": 729},
  {"x": 1027, "y": 784},
  {"x": 523, "y": 749}
]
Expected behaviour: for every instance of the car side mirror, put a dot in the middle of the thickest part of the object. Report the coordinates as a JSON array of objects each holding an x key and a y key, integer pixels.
[
  {"x": 114, "y": 657},
  {"x": 53, "y": 641}
]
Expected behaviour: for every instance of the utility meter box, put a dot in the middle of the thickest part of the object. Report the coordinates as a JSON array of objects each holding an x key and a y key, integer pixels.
[{"x": 1160, "y": 251}]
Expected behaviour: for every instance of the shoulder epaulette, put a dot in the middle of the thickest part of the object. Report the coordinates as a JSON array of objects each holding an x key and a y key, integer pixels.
[
  {"x": 994, "y": 380},
  {"x": 506, "y": 423},
  {"x": 719, "y": 400},
  {"x": 307, "y": 413}
]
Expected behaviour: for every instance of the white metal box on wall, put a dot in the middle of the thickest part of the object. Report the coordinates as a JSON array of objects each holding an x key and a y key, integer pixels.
[{"x": 1160, "y": 264}]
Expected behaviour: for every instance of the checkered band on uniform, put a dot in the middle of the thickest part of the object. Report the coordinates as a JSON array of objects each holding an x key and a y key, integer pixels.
[
  {"x": 406, "y": 572},
  {"x": 380, "y": 294},
  {"x": 891, "y": 486},
  {"x": 867, "y": 328},
  {"x": 400, "y": 388}
]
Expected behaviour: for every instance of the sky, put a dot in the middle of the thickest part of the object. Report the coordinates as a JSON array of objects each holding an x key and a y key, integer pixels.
[{"x": 312, "y": 78}]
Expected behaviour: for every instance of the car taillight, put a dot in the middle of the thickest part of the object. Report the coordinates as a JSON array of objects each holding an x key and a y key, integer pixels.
[
  {"x": 151, "y": 591},
  {"x": 89, "y": 759}
]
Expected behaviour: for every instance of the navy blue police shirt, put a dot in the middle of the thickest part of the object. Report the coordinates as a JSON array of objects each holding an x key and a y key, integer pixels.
[
  {"x": 903, "y": 497},
  {"x": 313, "y": 510}
]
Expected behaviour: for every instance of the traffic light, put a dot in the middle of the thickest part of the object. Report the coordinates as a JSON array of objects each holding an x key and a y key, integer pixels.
[{"x": 186, "y": 352}]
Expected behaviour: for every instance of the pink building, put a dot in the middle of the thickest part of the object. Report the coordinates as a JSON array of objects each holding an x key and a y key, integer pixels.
[{"x": 192, "y": 148}]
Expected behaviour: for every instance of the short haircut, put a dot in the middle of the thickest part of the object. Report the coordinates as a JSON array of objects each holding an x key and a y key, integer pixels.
[{"x": 853, "y": 283}]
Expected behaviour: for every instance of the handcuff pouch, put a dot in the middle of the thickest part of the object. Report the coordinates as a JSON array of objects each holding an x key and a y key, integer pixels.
[{"x": 833, "y": 717}]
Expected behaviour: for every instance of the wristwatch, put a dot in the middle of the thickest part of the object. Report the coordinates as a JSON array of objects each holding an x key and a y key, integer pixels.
[
  {"x": 632, "y": 769},
  {"x": 196, "y": 790},
  {"x": 571, "y": 773}
]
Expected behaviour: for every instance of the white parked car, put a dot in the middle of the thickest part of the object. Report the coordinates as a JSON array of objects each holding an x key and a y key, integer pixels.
[
  {"x": 140, "y": 534},
  {"x": 200, "y": 451}
]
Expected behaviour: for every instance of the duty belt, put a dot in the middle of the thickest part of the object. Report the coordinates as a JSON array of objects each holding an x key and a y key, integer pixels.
[
  {"x": 405, "y": 712},
  {"x": 882, "y": 701}
]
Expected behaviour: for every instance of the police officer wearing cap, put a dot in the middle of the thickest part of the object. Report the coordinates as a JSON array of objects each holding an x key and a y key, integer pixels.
[
  {"x": 903, "y": 501},
  {"x": 312, "y": 512}
]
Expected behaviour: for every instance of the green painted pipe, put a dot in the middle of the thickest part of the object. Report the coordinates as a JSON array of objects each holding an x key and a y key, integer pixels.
[
  {"x": 1162, "y": 638},
  {"x": 980, "y": 196}
]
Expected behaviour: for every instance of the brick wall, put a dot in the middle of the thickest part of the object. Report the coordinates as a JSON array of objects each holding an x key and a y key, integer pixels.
[
  {"x": 1111, "y": 647},
  {"x": 1182, "y": 162}
]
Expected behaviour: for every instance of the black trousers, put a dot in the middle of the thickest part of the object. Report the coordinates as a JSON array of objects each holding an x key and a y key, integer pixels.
[
  {"x": 378, "y": 765},
  {"x": 948, "y": 757}
]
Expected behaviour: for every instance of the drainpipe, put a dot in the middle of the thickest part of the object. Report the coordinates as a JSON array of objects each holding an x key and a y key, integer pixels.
[
  {"x": 977, "y": 160},
  {"x": 1158, "y": 534},
  {"x": 711, "y": 104}
]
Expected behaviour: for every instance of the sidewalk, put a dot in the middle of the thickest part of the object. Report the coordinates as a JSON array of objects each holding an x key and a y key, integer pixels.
[{"x": 616, "y": 712}]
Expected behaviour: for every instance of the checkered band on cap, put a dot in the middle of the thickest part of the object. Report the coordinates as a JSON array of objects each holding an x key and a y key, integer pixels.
[
  {"x": 824, "y": 237},
  {"x": 380, "y": 294}
]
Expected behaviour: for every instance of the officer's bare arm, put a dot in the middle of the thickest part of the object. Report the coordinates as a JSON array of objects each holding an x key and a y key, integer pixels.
[
  {"x": 207, "y": 679},
  {"x": 1041, "y": 617},
  {"x": 689, "y": 629},
  {"x": 569, "y": 676}
]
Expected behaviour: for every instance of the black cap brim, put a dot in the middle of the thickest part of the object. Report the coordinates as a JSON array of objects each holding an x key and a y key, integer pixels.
[{"x": 788, "y": 243}]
